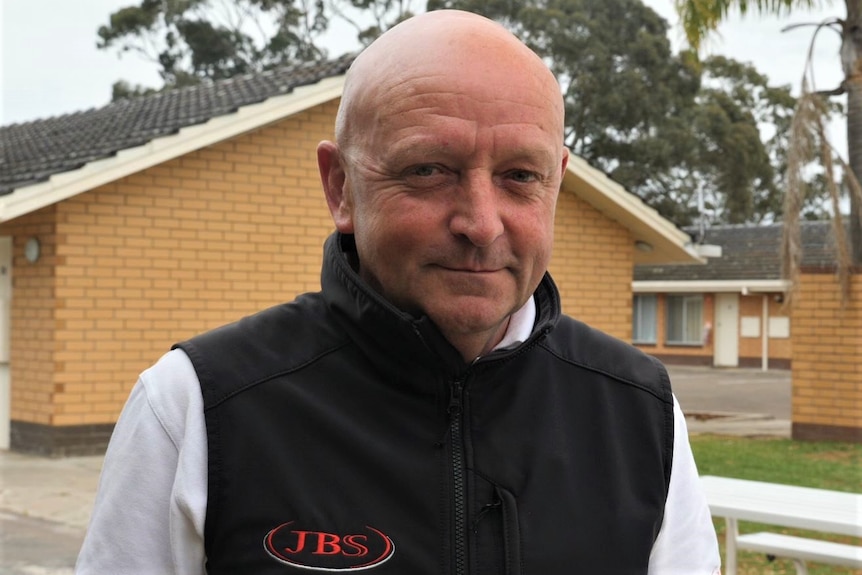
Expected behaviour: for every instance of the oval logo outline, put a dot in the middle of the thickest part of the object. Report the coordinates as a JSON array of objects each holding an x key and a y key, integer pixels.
[{"x": 385, "y": 555}]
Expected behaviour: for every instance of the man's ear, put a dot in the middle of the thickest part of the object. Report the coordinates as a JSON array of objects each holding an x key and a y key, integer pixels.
[
  {"x": 333, "y": 177},
  {"x": 565, "y": 163}
]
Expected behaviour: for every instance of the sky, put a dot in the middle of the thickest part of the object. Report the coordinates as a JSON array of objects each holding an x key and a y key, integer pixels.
[{"x": 49, "y": 63}]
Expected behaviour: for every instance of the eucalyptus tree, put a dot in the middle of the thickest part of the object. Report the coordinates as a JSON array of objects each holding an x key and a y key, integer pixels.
[{"x": 194, "y": 41}]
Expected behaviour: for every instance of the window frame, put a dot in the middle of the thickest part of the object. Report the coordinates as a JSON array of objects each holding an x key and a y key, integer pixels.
[
  {"x": 689, "y": 338},
  {"x": 638, "y": 316}
]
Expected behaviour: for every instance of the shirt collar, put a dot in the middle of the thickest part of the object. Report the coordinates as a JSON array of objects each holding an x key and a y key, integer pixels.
[{"x": 520, "y": 325}]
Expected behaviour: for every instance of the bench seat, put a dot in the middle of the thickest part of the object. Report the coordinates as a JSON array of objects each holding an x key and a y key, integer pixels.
[{"x": 791, "y": 547}]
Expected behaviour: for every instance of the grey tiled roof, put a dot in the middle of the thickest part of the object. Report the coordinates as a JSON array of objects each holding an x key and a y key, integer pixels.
[
  {"x": 31, "y": 152},
  {"x": 748, "y": 253}
]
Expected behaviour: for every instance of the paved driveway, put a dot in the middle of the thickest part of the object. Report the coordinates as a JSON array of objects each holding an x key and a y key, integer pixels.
[{"x": 732, "y": 390}]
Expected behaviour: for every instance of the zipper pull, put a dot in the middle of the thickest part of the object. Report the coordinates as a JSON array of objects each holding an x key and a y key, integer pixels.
[
  {"x": 456, "y": 394},
  {"x": 488, "y": 507}
]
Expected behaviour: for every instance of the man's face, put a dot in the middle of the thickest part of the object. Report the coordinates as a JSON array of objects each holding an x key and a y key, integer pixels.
[{"x": 451, "y": 194}]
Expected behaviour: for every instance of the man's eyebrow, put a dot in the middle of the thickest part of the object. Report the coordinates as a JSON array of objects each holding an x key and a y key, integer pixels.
[{"x": 406, "y": 149}]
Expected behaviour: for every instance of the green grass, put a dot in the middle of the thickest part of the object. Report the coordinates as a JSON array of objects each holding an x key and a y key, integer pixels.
[{"x": 826, "y": 465}]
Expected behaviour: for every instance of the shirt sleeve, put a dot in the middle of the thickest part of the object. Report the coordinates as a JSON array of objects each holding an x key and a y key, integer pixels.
[
  {"x": 150, "y": 506},
  {"x": 687, "y": 543}
]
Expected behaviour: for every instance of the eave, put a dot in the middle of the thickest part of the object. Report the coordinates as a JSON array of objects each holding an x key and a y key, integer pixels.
[
  {"x": 743, "y": 287},
  {"x": 65, "y": 185}
]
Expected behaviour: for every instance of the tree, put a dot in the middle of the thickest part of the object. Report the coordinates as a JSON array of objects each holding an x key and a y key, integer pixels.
[
  {"x": 725, "y": 164},
  {"x": 200, "y": 40},
  {"x": 193, "y": 40},
  {"x": 370, "y": 18},
  {"x": 675, "y": 131},
  {"x": 700, "y": 17}
]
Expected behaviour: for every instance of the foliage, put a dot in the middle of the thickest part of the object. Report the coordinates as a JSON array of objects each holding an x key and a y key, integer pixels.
[
  {"x": 370, "y": 18},
  {"x": 733, "y": 136},
  {"x": 688, "y": 137},
  {"x": 213, "y": 39},
  {"x": 201, "y": 40},
  {"x": 808, "y": 142},
  {"x": 122, "y": 90},
  {"x": 700, "y": 17}
]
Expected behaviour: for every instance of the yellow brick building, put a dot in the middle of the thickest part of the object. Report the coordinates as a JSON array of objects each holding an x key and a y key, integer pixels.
[
  {"x": 198, "y": 226},
  {"x": 741, "y": 318},
  {"x": 827, "y": 371}
]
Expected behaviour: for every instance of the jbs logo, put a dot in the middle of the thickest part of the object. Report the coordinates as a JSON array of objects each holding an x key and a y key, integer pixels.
[{"x": 325, "y": 551}]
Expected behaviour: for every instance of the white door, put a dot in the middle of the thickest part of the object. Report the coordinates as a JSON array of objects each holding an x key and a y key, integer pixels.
[
  {"x": 726, "y": 330},
  {"x": 5, "y": 337}
]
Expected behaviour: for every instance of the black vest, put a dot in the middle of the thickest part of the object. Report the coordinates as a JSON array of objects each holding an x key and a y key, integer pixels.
[{"x": 344, "y": 434}]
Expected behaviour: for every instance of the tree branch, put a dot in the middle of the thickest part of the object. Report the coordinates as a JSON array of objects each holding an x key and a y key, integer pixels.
[{"x": 839, "y": 91}]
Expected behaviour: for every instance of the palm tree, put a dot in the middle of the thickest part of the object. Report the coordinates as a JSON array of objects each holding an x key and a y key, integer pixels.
[{"x": 700, "y": 17}]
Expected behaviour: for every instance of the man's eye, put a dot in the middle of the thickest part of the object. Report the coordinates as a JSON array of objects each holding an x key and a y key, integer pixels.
[
  {"x": 424, "y": 171},
  {"x": 523, "y": 176}
]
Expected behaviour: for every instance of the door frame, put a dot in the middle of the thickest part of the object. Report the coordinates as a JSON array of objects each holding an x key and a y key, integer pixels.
[
  {"x": 726, "y": 351},
  {"x": 5, "y": 340}
]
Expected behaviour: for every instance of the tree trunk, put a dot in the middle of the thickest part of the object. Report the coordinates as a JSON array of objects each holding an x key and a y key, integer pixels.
[{"x": 851, "y": 56}]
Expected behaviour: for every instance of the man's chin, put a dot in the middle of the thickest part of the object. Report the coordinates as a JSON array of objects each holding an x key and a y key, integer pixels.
[{"x": 470, "y": 318}]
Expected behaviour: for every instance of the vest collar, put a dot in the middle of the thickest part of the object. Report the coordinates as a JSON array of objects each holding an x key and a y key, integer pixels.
[{"x": 381, "y": 328}]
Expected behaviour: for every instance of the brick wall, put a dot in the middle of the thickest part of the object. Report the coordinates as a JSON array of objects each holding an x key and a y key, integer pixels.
[
  {"x": 153, "y": 258},
  {"x": 592, "y": 266},
  {"x": 33, "y": 324},
  {"x": 133, "y": 266},
  {"x": 827, "y": 371}
]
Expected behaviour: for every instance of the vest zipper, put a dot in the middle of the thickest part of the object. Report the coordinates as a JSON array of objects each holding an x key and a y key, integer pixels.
[{"x": 456, "y": 404}]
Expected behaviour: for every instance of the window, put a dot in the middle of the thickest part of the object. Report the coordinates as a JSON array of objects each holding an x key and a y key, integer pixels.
[
  {"x": 644, "y": 318},
  {"x": 685, "y": 319}
]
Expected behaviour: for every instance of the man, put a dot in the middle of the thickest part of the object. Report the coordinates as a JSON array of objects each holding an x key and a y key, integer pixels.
[{"x": 430, "y": 410}]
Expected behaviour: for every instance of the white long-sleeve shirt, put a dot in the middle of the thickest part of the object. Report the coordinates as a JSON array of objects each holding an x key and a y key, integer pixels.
[{"x": 150, "y": 507}]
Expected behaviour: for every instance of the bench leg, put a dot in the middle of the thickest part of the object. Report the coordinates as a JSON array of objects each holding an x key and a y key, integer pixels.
[
  {"x": 731, "y": 528},
  {"x": 800, "y": 567}
]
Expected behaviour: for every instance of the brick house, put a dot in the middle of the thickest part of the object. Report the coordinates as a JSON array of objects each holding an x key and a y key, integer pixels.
[
  {"x": 827, "y": 371},
  {"x": 731, "y": 312},
  {"x": 127, "y": 228}
]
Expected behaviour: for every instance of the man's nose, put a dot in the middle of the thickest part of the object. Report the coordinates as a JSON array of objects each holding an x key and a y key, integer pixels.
[{"x": 477, "y": 210}]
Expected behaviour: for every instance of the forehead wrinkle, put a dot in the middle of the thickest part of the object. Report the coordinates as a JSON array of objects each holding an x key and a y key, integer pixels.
[
  {"x": 410, "y": 84},
  {"x": 477, "y": 109}
]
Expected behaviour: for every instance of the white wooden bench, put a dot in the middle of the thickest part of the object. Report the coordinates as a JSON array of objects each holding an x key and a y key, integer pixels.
[
  {"x": 789, "y": 506},
  {"x": 801, "y": 549}
]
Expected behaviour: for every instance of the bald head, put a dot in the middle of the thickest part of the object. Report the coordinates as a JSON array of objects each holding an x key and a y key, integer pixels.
[
  {"x": 446, "y": 172},
  {"x": 461, "y": 48}
]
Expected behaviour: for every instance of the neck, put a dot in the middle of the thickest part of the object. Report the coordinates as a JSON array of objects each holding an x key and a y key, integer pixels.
[{"x": 474, "y": 345}]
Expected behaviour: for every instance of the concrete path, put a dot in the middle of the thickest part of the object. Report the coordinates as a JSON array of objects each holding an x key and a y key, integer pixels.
[
  {"x": 44, "y": 509},
  {"x": 734, "y": 401},
  {"x": 45, "y": 503}
]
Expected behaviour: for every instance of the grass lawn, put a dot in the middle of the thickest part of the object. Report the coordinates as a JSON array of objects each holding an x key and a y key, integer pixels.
[{"x": 826, "y": 465}]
